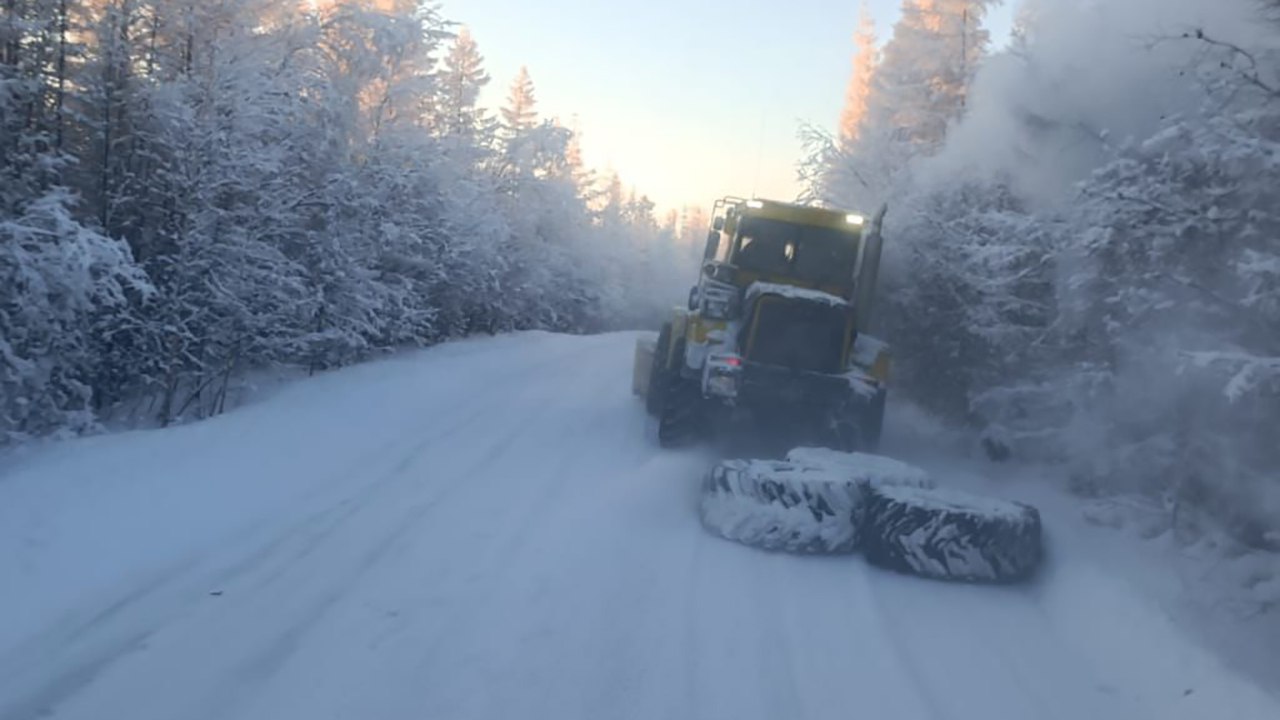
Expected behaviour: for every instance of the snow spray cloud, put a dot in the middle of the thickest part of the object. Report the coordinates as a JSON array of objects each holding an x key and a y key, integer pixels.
[
  {"x": 1087, "y": 80},
  {"x": 1085, "y": 77}
]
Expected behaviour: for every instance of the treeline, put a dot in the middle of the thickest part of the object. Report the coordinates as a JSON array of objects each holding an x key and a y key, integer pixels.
[
  {"x": 1084, "y": 236},
  {"x": 191, "y": 189}
]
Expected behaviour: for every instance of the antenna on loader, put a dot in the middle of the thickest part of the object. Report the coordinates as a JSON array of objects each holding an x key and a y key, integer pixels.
[{"x": 755, "y": 180}]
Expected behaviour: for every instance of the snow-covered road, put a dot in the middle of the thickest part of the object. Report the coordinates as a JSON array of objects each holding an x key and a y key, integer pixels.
[{"x": 488, "y": 530}]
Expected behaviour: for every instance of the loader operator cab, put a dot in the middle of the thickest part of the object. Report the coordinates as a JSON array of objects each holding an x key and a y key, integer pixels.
[
  {"x": 809, "y": 254},
  {"x": 761, "y": 240}
]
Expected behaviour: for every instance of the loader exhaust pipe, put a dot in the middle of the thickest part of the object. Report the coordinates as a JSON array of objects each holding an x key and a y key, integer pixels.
[{"x": 868, "y": 270}]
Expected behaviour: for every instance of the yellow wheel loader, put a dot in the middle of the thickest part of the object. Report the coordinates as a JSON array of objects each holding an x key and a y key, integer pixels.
[{"x": 772, "y": 339}]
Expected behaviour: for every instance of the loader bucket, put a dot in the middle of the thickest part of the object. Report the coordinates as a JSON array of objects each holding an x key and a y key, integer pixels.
[{"x": 645, "y": 348}]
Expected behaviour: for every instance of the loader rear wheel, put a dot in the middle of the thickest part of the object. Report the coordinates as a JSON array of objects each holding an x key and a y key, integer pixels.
[
  {"x": 951, "y": 535},
  {"x": 846, "y": 435},
  {"x": 873, "y": 424},
  {"x": 659, "y": 374},
  {"x": 859, "y": 429}
]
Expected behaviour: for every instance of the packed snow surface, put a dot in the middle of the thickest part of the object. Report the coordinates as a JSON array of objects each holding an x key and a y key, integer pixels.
[{"x": 489, "y": 530}]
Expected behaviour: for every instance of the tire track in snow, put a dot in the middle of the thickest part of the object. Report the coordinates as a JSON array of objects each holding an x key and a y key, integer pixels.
[
  {"x": 558, "y": 522},
  {"x": 902, "y": 666},
  {"x": 529, "y": 501},
  {"x": 771, "y": 594},
  {"x": 257, "y": 671},
  {"x": 954, "y": 633},
  {"x": 693, "y": 705},
  {"x": 161, "y": 600}
]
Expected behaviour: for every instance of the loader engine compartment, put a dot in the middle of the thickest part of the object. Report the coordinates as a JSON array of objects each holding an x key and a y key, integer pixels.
[{"x": 796, "y": 334}]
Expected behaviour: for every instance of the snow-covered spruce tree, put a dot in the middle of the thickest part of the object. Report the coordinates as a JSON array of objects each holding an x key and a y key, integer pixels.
[
  {"x": 972, "y": 302},
  {"x": 224, "y": 132},
  {"x": 532, "y": 153},
  {"x": 57, "y": 273},
  {"x": 857, "y": 95},
  {"x": 462, "y": 78},
  {"x": 468, "y": 294},
  {"x": 57, "y": 277},
  {"x": 917, "y": 89},
  {"x": 831, "y": 168},
  {"x": 949, "y": 305}
]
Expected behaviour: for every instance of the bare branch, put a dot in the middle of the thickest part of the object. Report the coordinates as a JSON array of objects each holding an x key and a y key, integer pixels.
[{"x": 1251, "y": 74}]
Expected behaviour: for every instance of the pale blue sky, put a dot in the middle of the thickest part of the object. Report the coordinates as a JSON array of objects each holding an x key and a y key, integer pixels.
[{"x": 688, "y": 100}]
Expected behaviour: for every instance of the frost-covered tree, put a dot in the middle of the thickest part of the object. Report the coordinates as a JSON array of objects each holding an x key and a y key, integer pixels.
[
  {"x": 1083, "y": 263},
  {"x": 462, "y": 79},
  {"x": 927, "y": 69},
  {"x": 857, "y": 94},
  {"x": 193, "y": 189},
  {"x": 56, "y": 278},
  {"x": 981, "y": 265},
  {"x": 1177, "y": 296},
  {"x": 58, "y": 274},
  {"x": 918, "y": 89},
  {"x": 520, "y": 112}
]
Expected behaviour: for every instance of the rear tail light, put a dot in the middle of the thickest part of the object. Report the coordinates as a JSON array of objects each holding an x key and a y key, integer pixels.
[
  {"x": 722, "y": 373},
  {"x": 730, "y": 361}
]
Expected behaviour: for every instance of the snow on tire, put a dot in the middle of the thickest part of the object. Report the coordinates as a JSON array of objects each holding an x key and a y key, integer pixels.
[
  {"x": 778, "y": 505},
  {"x": 872, "y": 470},
  {"x": 951, "y": 535}
]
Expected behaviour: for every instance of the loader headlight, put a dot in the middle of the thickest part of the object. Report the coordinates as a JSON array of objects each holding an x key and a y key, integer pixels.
[
  {"x": 854, "y": 219},
  {"x": 719, "y": 303}
]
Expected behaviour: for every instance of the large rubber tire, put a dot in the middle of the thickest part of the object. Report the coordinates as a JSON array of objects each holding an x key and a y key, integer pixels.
[
  {"x": 950, "y": 535},
  {"x": 682, "y": 415},
  {"x": 658, "y": 372},
  {"x": 778, "y": 505}
]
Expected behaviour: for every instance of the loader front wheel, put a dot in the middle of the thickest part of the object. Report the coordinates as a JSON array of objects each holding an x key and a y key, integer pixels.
[
  {"x": 681, "y": 416},
  {"x": 659, "y": 374},
  {"x": 873, "y": 424},
  {"x": 858, "y": 429}
]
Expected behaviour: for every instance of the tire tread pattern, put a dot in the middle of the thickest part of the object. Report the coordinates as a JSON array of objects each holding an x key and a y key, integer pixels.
[{"x": 978, "y": 540}]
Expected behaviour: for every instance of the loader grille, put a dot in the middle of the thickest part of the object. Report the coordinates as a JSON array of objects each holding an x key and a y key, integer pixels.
[{"x": 797, "y": 335}]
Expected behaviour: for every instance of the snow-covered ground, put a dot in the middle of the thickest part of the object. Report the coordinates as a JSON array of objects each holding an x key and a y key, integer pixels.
[{"x": 488, "y": 530}]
